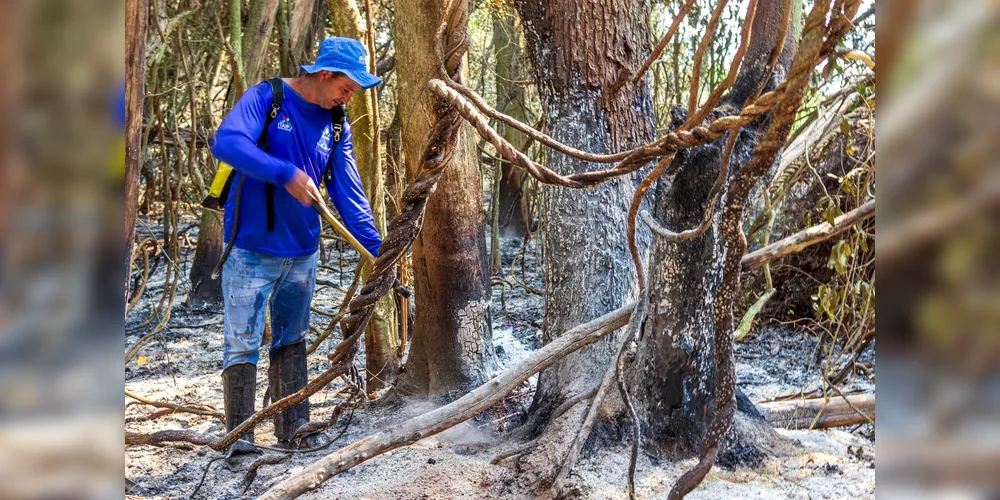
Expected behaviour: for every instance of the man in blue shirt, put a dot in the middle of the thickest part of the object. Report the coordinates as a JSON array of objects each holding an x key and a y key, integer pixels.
[{"x": 273, "y": 262}]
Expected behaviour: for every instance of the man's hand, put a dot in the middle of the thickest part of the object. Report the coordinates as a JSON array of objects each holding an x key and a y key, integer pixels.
[{"x": 303, "y": 189}]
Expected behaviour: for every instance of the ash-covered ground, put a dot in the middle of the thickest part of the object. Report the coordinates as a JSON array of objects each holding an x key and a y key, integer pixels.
[{"x": 182, "y": 365}]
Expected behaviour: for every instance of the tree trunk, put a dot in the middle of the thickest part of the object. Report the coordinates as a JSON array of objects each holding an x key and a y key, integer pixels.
[
  {"x": 256, "y": 37},
  {"x": 150, "y": 181},
  {"x": 204, "y": 290},
  {"x": 672, "y": 379},
  {"x": 285, "y": 60},
  {"x": 510, "y": 100},
  {"x": 136, "y": 12},
  {"x": 382, "y": 356},
  {"x": 452, "y": 349},
  {"x": 297, "y": 25},
  {"x": 395, "y": 170},
  {"x": 579, "y": 48},
  {"x": 300, "y": 22}
]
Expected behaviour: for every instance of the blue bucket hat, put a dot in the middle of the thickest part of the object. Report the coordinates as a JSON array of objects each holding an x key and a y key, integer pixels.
[{"x": 347, "y": 56}]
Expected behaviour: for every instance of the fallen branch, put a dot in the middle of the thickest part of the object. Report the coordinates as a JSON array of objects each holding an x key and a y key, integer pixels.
[
  {"x": 452, "y": 414},
  {"x": 833, "y": 412},
  {"x": 808, "y": 237},
  {"x": 174, "y": 407}
]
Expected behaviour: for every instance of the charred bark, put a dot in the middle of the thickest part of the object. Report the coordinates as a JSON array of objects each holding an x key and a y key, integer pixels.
[
  {"x": 205, "y": 291},
  {"x": 452, "y": 347},
  {"x": 673, "y": 377},
  {"x": 580, "y": 49}
]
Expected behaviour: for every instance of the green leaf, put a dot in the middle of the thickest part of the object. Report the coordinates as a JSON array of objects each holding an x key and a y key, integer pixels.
[
  {"x": 829, "y": 215},
  {"x": 845, "y": 126}
]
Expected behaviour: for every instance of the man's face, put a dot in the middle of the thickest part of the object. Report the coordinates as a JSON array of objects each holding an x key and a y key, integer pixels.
[{"x": 337, "y": 90}]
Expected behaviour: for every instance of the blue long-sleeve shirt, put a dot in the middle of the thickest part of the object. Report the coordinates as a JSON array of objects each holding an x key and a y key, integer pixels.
[{"x": 300, "y": 137}]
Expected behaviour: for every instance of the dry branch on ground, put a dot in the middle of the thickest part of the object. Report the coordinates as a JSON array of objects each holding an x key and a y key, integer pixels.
[{"x": 820, "y": 413}]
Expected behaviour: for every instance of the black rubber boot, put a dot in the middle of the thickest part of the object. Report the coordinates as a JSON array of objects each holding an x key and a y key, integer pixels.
[
  {"x": 238, "y": 386},
  {"x": 286, "y": 375}
]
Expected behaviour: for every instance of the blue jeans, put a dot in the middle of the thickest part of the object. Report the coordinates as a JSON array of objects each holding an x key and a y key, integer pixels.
[{"x": 251, "y": 281}]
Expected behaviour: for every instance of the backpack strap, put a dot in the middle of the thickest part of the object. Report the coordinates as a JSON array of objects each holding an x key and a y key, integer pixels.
[
  {"x": 338, "y": 115},
  {"x": 277, "y": 98}
]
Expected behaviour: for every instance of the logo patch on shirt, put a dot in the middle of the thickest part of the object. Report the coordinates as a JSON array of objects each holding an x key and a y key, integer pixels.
[
  {"x": 324, "y": 141},
  {"x": 285, "y": 124}
]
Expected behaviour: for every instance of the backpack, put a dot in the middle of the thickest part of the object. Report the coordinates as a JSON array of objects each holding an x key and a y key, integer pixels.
[{"x": 221, "y": 187}]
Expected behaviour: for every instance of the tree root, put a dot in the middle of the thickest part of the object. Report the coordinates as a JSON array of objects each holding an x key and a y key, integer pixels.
[{"x": 563, "y": 408}]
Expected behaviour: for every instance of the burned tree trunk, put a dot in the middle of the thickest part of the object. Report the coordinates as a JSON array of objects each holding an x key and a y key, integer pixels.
[
  {"x": 580, "y": 49},
  {"x": 452, "y": 348},
  {"x": 205, "y": 290},
  {"x": 673, "y": 377}
]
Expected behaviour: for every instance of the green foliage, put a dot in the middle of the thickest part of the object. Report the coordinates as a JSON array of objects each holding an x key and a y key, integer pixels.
[
  {"x": 826, "y": 302},
  {"x": 844, "y": 305}
]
